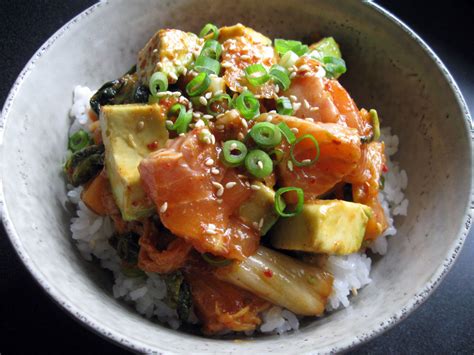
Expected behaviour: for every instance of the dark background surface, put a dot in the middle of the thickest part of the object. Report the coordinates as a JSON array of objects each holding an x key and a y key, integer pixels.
[{"x": 31, "y": 323}]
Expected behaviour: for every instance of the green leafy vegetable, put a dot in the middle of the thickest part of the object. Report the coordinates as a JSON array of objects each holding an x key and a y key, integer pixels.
[
  {"x": 127, "y": 246},
  {"x": 282, "y": 46},
  {"x": 334, "y": 67},
  {"x": 179, "y": 294},
  {"x": 85, "y": 164}
]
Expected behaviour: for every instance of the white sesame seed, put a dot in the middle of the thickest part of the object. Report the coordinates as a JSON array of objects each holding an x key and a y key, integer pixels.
[
  {"x": 294, "y": 68},
  {"x": 247, "y": 184},
  {"x": 296, "y": 106},
  {"x": 230, "y": 185},
  {"x": 220, "y": 127},
  {"x": 321, "y": 73},
  {"x": 131, "y": 140},
  {"x": 260, "y": 164},
  {"x": 155, "y": 50},
  {"x": 199, "y": 124},
  {"x": 290, "y": 165},
  {"x": 219, "y": 201},
  {"x": 215, "y": 171},
  {"x": 272, "y": 111},
  {"x": 292, "y": 75},
  {"x": 233, "y": 146},
  {"x": 181, "y": 134},
  {"x": 219, "y": 187},
  {"x": 164, "y": 207},
  {"x": 173, "y": 76},
  {"x": 308, "y": 74},
  {"x": 293, "y": 98},
  {"x": 203, "y": 100},
  {"x": 260, "y": 224},
  {"x": 269, "y": 118},
  {"x": 309, "y": 119},
  {"x": 197, "y": 114},
  {"x": 241, "y": 176},
  {"x": 208, "y": 117},
  {"x": 211, "y": 231},
  {"x": 245, "y": 57},
  {"x": 213, "y": 139},
  {"x": 226, "y": 64},
  {"x": 306, "y": 104},
  {"x": 255, "y": 187},
  {"x": 208, "y": 95},
  {"x": 169, "y": 122},
  {"x": 220, "y": 115},
  {"x": 209, "y": 162},
  {"x": 294, "y": 130},
  {"x": 306, "y": 161},
  {"x": 314, "y": 108},
  {"x": 240, "y": 136},
  {"x": 140, "y": 125},
  {"x": 244, "y": 123},
  {"x": 176, "y": 94},
  {"x": 277, "y": 89},
  {"x": 305, "y": 67},
  {"x": 185, "y": 71}
]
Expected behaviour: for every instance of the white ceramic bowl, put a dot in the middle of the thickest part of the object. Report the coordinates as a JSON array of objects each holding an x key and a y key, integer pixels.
[{"x": 390, "y": 68}]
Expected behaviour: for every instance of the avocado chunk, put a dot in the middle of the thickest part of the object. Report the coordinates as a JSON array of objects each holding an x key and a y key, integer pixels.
[
  {"x": 169, "y": 51},
  {"x": 327, "y": 47},
  {"x": 130, "y": 133},
  {"x": 260, "y": 206},
  {"x": 324, "y": 226}
]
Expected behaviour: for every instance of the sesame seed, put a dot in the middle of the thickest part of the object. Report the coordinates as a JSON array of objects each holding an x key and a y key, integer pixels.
[
  {"x": 173, "y": 76},
  {"x": 219, "y": 187},
  {"x": 226, "y": 64},
  {"x": 185, "y": 71},
  {"x": 309, "y": 119},
  {"x": 131, "y": 140},
  {"x": 164, "y": 207},
  {"x": 314, "y": 108},
  {"x": 220, "y": 115},
  {"x": 219, "y": 201},
  {"x": 290, "y": 165},
  {"x": 230, "y": 185},
  {"x": 140, "y": 125},
  {"x": 272, "y": 111},
  {"x": 203, "y": 100},
  {"x": 244, "y": 123},
  {"x": 247, "y": 184},
  {"x": 260, "y": 164},
  {"x": 305, "y": 67},
  {"x": 255, "y": 187},
  {"x": 294, "y": 68},
  {"x": 240, "y": 136},
  {"x": 199, "y": 124},
  {"x": 308, "y": 74},
  {"x": 181, "y": 134},
  {"x": 176, "y": 94},
  {"x": 292, "y": 75},
  {"x": 210, "y": 231},
  {"x": 277, "y": 89},
  {"x": 269, "y": 118},
  {"x": 233, "y": 146},
  {"x": 220, "y": 127},
  {"x": 209, "y": 162},
  {"x": 293, "y": 98},
  {"x": 215, "y": 171},
  {"x": 197, "y": 114},
  {"x": 296, "y": 106},
  {"x": 155, "y": 50},
  {"x": 306, "y": 104},
  {"x": 294, "y": 130},
  {"x": 213, "y": 139},
  {"x": 208, "y": 117},
  {"x": 306, "y": 161},
  {"x": 245, "y": 57},
  {"x": 321, "y": 73},
  {"x": 169, "y": 122},
  {"x": 260, "y": 224},
  {"x": 208, "y": 95}
]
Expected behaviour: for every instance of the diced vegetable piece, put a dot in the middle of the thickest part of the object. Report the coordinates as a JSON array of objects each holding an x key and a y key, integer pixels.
[
  {"x": 130, "y": 133},
  {"x": 127, "y": 246},
  {"x": 169, "y": 51},
  {"x": 85, "y": 164},
  {"x": 94, "y": 193},
  {"x": 327, "y": 47},
  {"x": 259, "y": 208},
  {"x": 326, "y": 226},
  {"x": 302, "y": 288},
  {"x": 240, "y": 30},
  {"x": 179, "y": 294}
]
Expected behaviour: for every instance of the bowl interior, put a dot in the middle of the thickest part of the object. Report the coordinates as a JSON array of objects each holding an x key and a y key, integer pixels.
[{"x": 387, "y": 70}]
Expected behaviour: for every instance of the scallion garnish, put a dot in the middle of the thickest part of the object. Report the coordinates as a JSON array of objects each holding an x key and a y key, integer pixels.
[
  {"x": 218, "y": 101},
  {"x": 280, "y": 76},
  {"x": 289, "y": 135},
  {"x": 247, "y": 104},
  {"x": 233, "y": 153},
  {"x": 158, "y": 82},
  {"x": 266, "y": 134},
  {"x": 284, "y": 106},
  {"x": 256, "y": 74},
  {"x": 79, "y": 140},
  {"x": 210, "y": 30},
  {"x": 289, "y": 59},
  {"x": 215, "y": 261},
  {"x": 198, "y": 85},
  {"x": 375, "y": 124},
  {"x": 334, "y": 66},
  {"x": 305, "y": 162},
  {"x": 183, "y": 118},
  {"x": 282, "y": 46},
  {"x": 278, "y": 154},
  {"x": 258, "y": 163},
  {"x": 207, "y": 65},
  {"x": 280, "y": 204},
  {"x": 212, "y": 49}
]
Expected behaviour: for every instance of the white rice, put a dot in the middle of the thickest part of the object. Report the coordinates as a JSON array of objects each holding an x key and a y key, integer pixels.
[{"x": 351, "y": 272}]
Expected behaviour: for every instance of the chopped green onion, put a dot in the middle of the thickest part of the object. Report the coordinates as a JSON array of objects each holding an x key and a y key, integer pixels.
[
  {"x": 158, "y": 82},
  {"x": 209, "y": 30},
  {"x": 265, "y": 134},
  {"x": 289, "y": 59},
  {"x": 247, "y": 104},
  {"x": 256, "y": 74},
  {"x": 217, "y": 101},
  {"x": 258, "y": 163},
  {"x": 183, "y": 118},
  {"x": 233, "y": 153},
  {"x": 79, "y": 140},
  {"x": 207, "y": 65},
  {"x": 212, "y": 49},
  {"x": 280, "y": 204},
  {"x": 278, "y": 153},
  {"x": 198, "y": 85},
  {"x": 375, "y": 123},
  {"x": 215, "y": 261},
  {"x": 382, "y": 183},
  {"x": 282, "y": 46},
  {"x": 289, "y": 135},
  {"x": 334, "y": 66},
  {"x": 305, "y": 162},
  {"x": 280, "y": 76},
  {"x": 284, "y": 106}
]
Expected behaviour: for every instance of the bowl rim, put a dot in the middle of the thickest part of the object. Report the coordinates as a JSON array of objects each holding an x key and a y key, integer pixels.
[{"x": 137, "y": 345}]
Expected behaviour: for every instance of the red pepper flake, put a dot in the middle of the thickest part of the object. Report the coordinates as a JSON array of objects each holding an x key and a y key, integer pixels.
[
  {"x": 384, "y": 168},
  {"x": 268, "y": 273},
  {"x": 153, "y": 145}
]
